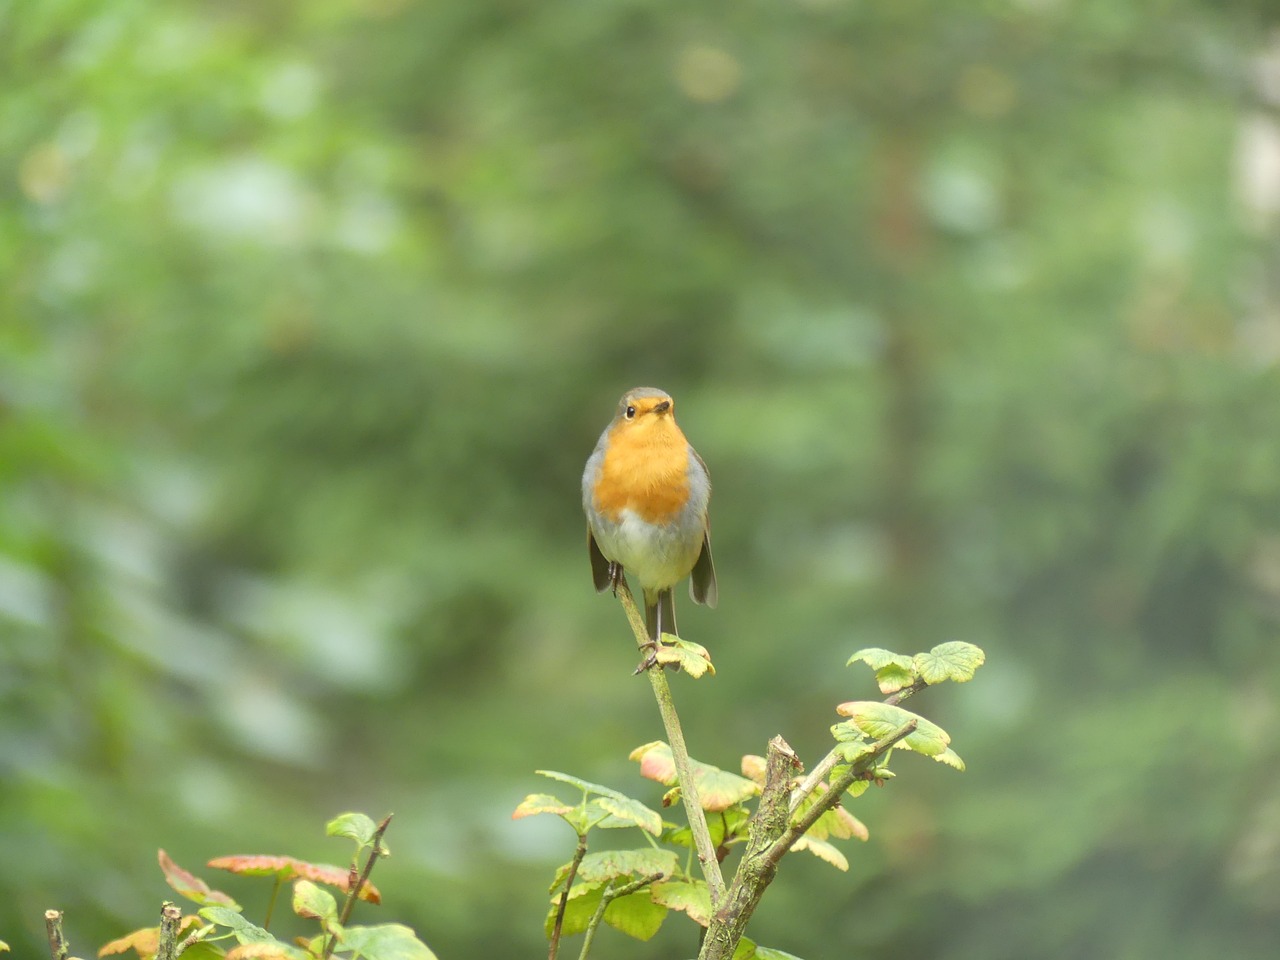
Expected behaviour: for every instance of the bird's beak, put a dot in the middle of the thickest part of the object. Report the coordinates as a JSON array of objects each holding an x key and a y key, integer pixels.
[{"x": 662, "y": 406}]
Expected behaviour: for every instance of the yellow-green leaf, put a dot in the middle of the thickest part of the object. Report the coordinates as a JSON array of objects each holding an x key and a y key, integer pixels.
[
  {"x": 877, "y": 720},
  {"x": 629, "y": 813},
  {"x": 822, "y": 850},
  {"x": 954, "y": 660},
  {"x": 691, "y": 657},
  {"x": 636, "y": 915},
  {"x": 688, "y": 896},
  {"x": 717, "y": 789}
]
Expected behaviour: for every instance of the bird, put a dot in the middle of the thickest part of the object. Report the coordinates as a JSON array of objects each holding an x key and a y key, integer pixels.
[{"x": 645, "y": 493}]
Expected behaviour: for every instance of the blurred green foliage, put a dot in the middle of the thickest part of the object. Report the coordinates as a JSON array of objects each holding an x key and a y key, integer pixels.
[{"x": 311, "y": 312}]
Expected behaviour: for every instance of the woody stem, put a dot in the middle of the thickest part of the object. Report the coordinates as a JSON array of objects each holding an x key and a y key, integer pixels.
[{"x": 679, "y": 753}]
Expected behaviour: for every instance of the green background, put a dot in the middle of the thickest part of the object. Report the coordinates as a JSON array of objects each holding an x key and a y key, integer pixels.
[{"x": 310, "y": 313}]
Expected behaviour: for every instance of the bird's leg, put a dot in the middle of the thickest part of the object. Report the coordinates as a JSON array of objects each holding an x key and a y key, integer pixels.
[{"x": 615, "y": 574}]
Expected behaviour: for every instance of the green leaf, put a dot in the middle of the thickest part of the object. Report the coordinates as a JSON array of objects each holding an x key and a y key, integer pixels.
[
  {"x": 386, "y": 941},
  {"x": 312, "y": 902},
  {"x": 878, "y": 658},
  {"x": 354, "y": 826},
  {"x": 615, "y": 864},
  {"x": 745, "y": 950},
  {"x": 244, "y": 931},
  {"x": 688, "y": 896},
  {"x": 4, "y": 947},
  {"x": 629, "y": 812},
  {"x": 955, "y": 660},
  {"x": 878, "y": 720},
  {"x": 768, "y": 953},
  {"x": 717, "y": 789},
  {"x": 691, "y": 657},
  {"x": 585, "y": 785},
  {"x": 636, "y": 915},
  {"x": 577, "y": 913}
]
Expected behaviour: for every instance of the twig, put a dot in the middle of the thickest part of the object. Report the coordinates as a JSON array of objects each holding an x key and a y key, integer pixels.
[
  {"x": 170, "y": 921},
  {"x": 53, "y": 927},
  {"x": 680, "y": 754},
  {"x": 823, "y": 767},
  {"x": 353, "y": 889},
  {"x": 271, "y": 904},
  {"x": 611, "y": 894},
  {"x": 915, "y": 686},
  {"x": 195, "y": 936},
  {"x": 564, "y": 896},
  {"x": 771, "y": 837}
]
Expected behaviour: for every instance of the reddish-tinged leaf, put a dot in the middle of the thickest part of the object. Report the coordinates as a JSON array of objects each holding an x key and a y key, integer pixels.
[
  {"x": 259, "y": 865},
  {"x": 541, "y": 803},
  {"x": 753, "y": 768},
  {"x": 717, "y": 789},
  {"x": 189, "y": 885},
  {"x": 264, "y": 951},
  {"x": 145, "y": 942}
]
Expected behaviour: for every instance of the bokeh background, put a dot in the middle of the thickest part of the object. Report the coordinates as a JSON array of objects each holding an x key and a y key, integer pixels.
[{"x": 310, "y": 313}]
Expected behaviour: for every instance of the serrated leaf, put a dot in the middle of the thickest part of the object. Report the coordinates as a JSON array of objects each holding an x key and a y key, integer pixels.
[
  {"x": 891, "y": 678},
  {"x": 615, "y": 864},
  {"x": 386, "y": 941},
  {"x": 954, "y": 660},
  {"x": 189, "y": 885},
  {"x": 311, "y": 902},
  {"x": 768, "y": 953},
  {"x": 263, "y": 951},
  {"x": 245, "y": 932},
  {"x": 636, "y": 915},
  {"x": 691, "y": 657},
  {"x": 354, "y": 826},
  {"x": 536, "y": 803},
  {"x": 717, "y": 789},
  {"x": 822, "y": 850},
  {"x": 877, "y": 658},
  {"x": 688, "y": 896},
  {"x": 877, "y": 720},
  {"x": 631, "y": 812},
  {"x": 950, "y": 758},
  {"x": 288, "y": 868},
  {"x": 585, "y": 785},
  {"x": 577, "y": 914},
  {"x": 145, "y": 942}
]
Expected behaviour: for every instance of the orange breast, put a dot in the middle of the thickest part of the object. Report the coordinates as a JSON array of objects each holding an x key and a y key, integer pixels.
[{"x": 646, "y": 470}]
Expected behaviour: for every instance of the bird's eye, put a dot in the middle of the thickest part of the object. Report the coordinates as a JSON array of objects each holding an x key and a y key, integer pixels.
[{"x": 630, "y": 413}]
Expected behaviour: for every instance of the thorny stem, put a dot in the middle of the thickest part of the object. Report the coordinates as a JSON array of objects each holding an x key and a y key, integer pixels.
[
  {"x": 610, "y": 894},
  {"x": 353, "y": 891},
  {"x": 679, "y": 753},
  {"x": 564, "y": 896}
]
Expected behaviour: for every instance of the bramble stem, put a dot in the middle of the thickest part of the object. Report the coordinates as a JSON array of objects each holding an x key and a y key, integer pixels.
[
  {"x": 170, "y": 921},
  {"x": 611, "y": 894},
  {"x": 564, "y": 895},
  {"x": 353, "y": 891},
  {"x": 679, "y": 753}
]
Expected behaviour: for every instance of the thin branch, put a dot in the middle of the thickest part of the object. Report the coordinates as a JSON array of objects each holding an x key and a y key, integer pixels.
[
  {"x": 819, "y": 772},
  {"x": 271, "y": 904},
  {"x": 353, "y": 889},
  {"x": 914, "y": 687},
  {"x": 611, "y": 894},
  {"x": 170, "y": 921},
  {"x": 195, "y": 936},
  {"x": 53, "y": 927},
  {"x": 564, "y": 896},
  {"x": 679, "y": 753}
]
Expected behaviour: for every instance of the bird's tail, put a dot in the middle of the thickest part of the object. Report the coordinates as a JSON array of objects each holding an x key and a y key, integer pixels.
[{"x": 659, "y": 614}]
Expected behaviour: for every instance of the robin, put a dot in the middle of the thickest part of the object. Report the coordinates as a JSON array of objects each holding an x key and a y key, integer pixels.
[{"x": 645, "y": 493}]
